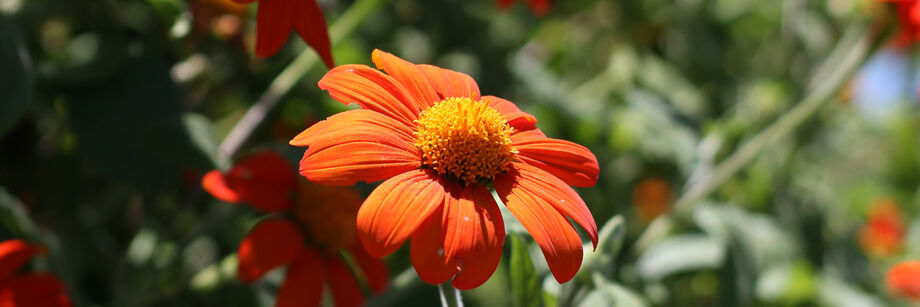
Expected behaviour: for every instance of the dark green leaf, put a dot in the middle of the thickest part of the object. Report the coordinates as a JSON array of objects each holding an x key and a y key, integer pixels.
[
  {"x": 16, "y": 76},
  {"x": 525, "y": 285}
]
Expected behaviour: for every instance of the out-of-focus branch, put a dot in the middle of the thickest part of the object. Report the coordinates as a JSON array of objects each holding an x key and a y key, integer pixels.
[
  {"x": 344, "y": 26},
  {"x": 847, "y": 56}
]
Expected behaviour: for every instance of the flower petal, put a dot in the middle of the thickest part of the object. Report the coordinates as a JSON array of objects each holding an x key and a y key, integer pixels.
[
  {"x": 520, "y": 120},
  {"x": 427, "y": 249},
  {"x": 356, "y": 145},
  {"x": 474, "y": 234},
  {"x": 375, "y": 270},
  {"x": 14, "y": 254},
  {"x": 303, "y": 284},
  {"x": 572, "y": 163},
  {"x": 345, "y": 289},
  {"x": 904, "y": 279},
  {"x": 271, "y": 244},
  {"x": 372, "y": 90},
  {"x": 311, "y": 27},
  {"x": 396, "y": 208},
  {"x": 449, "y": 83},
  {"x": 537, "y": 206},
  {"x": 43, "y": 289},
  {"x": 410, "y": 75},
  {"x": 274, "y": 23},
  {"x": 265, "y": 180}
]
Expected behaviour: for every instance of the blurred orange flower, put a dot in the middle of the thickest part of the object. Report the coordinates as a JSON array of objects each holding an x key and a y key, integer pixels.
[
  {"x": 539, "y": 7},
  {"x": 31, "y": 289},
  {"x": 909, "y": 19},
  {"x": 884, "y": 231},
  {"x": 438, "y": 145},
  {"x": 276, "y": 19},
  {"x": 651, "y": 198},
  {"x": 904, "y": 280},
  {"x": 321, "y": 223}
]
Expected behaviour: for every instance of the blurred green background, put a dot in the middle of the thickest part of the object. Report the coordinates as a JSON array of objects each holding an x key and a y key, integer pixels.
[{"x": 112, "y": 110}]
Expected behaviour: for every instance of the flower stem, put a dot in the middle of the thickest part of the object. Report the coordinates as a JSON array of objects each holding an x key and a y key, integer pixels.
[
  {"x": 344, "y": 26},
  {"x": 848, "y": 55},
  {"x": 450, "y": 296}
]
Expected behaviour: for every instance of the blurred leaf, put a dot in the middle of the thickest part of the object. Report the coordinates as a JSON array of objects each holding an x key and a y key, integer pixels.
[
  {"x": 14, "y": 216},
  {"x": 835, "y": 292},
  {"x": 201, "y": 131},
  {"x": 525, "y": 286},
  {"x": 551, "y": 291},
  {"x": 16, "y": 76},
  {"x": 609, "y": 293},
  {"x": 681, "y": 253},
  {"x": 759, "y": 234},
  {"x": 610, "y": 239},
  {"x": 131, "y": 128}
]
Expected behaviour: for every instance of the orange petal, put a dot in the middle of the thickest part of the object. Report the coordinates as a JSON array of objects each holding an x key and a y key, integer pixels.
[
  {"x": 265, "y": 180},
  {"x": 345, "y": 289},
  {"x": 243, "y": 1},
  {"x": 274, "y": 23},
  {"x": 474, "y": 234},
  {"x": 904, "y": 279},
  {"x": 375, "y": 271},
  {"x": 572, "y": 163},
  {"x": 504, "y": 4},
  {"x": 271, "y": 244},
  {"x": 372, "y": 90},
  {"x": 303, "y": 284},
  {"x": 215, "y": 183},
  {"x": 357, "y": 145},
  {"x": 44, "y": 290},
  {"x": 410, "y": 75},
  {"x": 526, "y": 199},
  {"x": 427, "y": 249},
  {"x": 539, "y": 7},
  {"x": 520, "y": 120},
  {"x": 396, "y": 208},
  {"x": 14, "y": 254},
  {"x": 449, "y": 83},
  {"x": 310, "y": 25}
]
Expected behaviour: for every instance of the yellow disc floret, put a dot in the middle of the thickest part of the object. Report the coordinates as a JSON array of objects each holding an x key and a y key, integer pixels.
[{"x": 464, "y": 139}]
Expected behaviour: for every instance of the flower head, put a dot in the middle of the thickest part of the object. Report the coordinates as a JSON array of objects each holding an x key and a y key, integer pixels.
[
  {"x": 904, "y": 280},
  {"x": 276, "y": 19},
  {"x": 651, "y": 198},
  {"x": 319, "y": 224},
  {"x": 30, "y": 289},
  {"x": 539, "y": 7},
  {"x": 439, "y": 145},
  {"x": 909, "y": 20},
  {"x": 884, "y": 231}
]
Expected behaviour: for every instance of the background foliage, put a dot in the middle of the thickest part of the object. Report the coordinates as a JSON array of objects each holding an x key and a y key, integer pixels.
[{"x": 113, "y": 109}]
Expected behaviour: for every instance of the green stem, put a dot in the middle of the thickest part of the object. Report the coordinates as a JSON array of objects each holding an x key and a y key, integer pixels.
[
  {"x": 849, "y": 54},
  {"x": 450, "y": 296},
  {"x": 344, "y": 26}
]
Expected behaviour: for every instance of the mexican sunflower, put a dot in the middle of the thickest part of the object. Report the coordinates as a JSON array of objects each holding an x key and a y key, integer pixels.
[
  {"x": 315, "y": 224},
  {"x": 276, "y": 19},
  {"x": 909, "y": 19},
  {"x": 904, "y": 280},
  {"x": 651, "y": 198},
  {"x": 440, "y": 146},
  {"x": 539, "y": 7},
  {"x": 884, "y": 232},
  {"x": 29, "y": 289}
]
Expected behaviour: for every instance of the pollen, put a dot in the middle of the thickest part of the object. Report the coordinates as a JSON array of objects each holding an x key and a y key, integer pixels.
[{"x": 464, "y": 139}]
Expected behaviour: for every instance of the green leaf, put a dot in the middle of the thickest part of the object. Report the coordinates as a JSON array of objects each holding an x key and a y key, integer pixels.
[
  {"x": 525, "y": 286},
  {"x": 16, "y": 76},
  {"x": 14, "y": 217},
  {"x": 609, "y": 241},
  {"x": 680, "y": 254},
  {"x": 609, "y": 293},
  {"x": 201, "y": 131}
]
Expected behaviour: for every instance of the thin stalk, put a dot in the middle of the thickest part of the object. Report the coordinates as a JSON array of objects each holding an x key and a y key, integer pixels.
[
  {"x": 846, "y": 58},
  {"x": 450, "y": 296},
  {"x": 242, "y": 131}
]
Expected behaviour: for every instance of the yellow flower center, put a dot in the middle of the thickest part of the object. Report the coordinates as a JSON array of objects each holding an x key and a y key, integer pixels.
[
  {"x": 328, "y": 215},
  {"x": 464, "y": 139}
]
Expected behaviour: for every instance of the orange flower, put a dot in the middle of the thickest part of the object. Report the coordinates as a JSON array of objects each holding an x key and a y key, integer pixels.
[
  {"x": 909, "y": 19},
  {"x": 651, "y": 198},
  {"x": 904, "y": 280},
  {"x": 32, "y": 289},
  {"x": 539, "y": 7},
  {"x": 276, "y": 19},
  {"x": 438, "y": 146},
  {"x": 884, "y": 232},
  {"x": 322, "y": 217}
]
